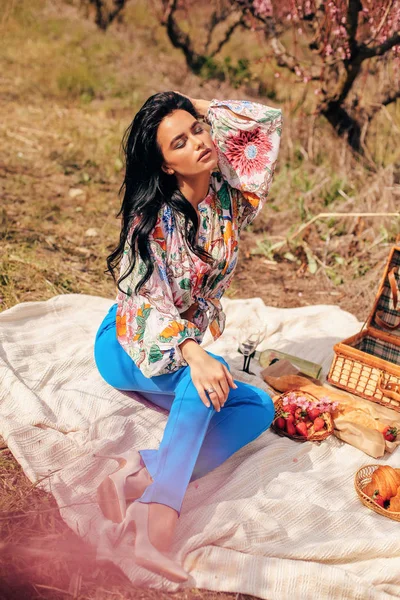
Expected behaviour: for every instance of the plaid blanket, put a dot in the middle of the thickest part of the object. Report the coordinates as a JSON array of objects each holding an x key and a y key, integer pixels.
[
  {"x": 391, "y": 314},
  {"x": 380, "y": 349}
]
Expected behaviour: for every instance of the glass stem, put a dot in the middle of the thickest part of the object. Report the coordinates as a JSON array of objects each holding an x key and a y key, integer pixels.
[{"x": 252, "y": 355}]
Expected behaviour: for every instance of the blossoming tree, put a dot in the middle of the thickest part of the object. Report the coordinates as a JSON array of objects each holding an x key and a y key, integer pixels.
[{"x": 333, "y": 43}]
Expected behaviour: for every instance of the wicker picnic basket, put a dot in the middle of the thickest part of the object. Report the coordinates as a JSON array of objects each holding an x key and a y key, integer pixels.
[
  {"x": 368, "y": 363},
  {"x": 361, "y": 479},
  {"x": 314, "y": 437}
]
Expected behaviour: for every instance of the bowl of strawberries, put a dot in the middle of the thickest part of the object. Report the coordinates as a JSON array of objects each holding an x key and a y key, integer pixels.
[{"x": 301, "y": 416}]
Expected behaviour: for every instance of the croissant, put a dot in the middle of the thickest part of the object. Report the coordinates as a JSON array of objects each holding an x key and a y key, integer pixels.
[
  {"x": 370, "y": 489},
  {"x": 392, "y": 478},
  {"x": 395, "y": 502},
  {"x": 386, "y": 480}
]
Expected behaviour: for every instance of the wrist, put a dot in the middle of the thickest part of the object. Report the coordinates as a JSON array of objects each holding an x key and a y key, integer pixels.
[
  {"x": 201, "y": 106},
  {"x": 191, "y": 350}
]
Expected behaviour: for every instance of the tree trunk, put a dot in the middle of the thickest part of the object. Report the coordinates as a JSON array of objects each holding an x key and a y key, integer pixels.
[{"x": 344, "y": 124}]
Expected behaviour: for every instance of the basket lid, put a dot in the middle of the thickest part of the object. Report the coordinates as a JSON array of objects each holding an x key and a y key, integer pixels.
[{"x": 385, "y": 314}]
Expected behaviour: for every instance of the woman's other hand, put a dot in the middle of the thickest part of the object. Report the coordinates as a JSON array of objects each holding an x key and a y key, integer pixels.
[
  {"x": 207, "y": 372},
  {"x": 210, "y": 373},
  {"x": 201, "y": 106}
]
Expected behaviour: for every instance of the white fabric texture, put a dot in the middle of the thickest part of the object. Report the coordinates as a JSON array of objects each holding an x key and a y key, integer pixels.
[{"x": 279, "y": 519}]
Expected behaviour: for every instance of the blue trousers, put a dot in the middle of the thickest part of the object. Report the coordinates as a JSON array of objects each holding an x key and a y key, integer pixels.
[{"x": 196, "y": 439}]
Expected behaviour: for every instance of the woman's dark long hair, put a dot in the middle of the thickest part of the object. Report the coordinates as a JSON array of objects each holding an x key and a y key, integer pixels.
[{"x": 146, "y": 187}]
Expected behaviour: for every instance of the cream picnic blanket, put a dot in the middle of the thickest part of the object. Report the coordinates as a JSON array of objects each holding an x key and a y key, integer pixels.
[{"x": 279, "y": 519}]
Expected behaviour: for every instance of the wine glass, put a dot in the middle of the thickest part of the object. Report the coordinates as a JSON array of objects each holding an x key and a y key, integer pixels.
[{"x": 250, "y": 336}]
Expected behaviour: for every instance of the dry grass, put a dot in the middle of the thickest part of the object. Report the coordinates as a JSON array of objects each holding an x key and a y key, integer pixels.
[
  {"x": 40, "y": 557},
  {"x": 68, "y": 92}
]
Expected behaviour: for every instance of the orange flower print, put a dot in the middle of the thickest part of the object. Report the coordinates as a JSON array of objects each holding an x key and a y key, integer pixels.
[
  {"x": 214, "y": 329},
  {"x": 121, "y": 325},
  {"x": 227, "y": 231},
  {"x": 159, "y": 237},
  {"x": 141, "y": 309},
  {"x": 172, "y": 330},
  {"x": 253, "y": 199},
  {"x": 141, "y": 315}
]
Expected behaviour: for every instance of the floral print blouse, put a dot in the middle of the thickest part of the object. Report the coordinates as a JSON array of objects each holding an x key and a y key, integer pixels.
[{"x": 149, "y": 325}]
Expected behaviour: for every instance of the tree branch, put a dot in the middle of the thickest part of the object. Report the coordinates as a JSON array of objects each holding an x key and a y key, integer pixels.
[
  {"x": 381, "y": 48},
  {"x": 284, "y": 59},
  {"x": 195, "y": 60},
  {"x": 391, "y": 98},
  {"x": 352, "y": 23},
  {"x": 215, "y": 20},
  {"x": 103, "y": 20},
  {"x": 381, "y": 24},
  {"x": 227, "y": 36},
  {"x": 180, "y": 39}
]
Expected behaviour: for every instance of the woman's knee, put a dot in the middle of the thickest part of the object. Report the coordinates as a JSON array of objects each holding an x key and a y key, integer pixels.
[
  {"x": 265, "y": 408},
  {"x": 269, "y": 409}
]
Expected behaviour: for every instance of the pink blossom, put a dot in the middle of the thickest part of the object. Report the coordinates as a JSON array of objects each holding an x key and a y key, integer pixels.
[
  {"x": 263, "y": 7},
  {"x": 325, "y": 399}
]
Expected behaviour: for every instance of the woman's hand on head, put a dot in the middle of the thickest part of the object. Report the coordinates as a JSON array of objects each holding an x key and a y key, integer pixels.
[
  {"x": 182, "y": 94},
  {"x": 207, "y": 372},
  {"x": 201, "y": 106}
]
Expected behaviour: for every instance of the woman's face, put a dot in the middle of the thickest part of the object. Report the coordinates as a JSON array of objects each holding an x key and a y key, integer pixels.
[{"x": 183, "y": 140}]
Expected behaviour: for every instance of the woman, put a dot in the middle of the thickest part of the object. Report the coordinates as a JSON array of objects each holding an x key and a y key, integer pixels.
[{"x": 181, "y": 222}]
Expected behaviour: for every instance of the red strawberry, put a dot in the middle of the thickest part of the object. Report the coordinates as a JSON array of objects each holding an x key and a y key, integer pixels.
[
  {"x": 290, "y": 418},
  {"x": 319, "y": 424},
  {"x": 376, "y": 497},
  {"x": 290, "y": 428},
  {"x": 280, "y": 423},
  {"x": 291, "y": 408},
  {"x": 300, "y": 414},
  {"x": 313, "y": 413},
  {"x": 301, "y": 429},
  {"x": 390, "y": 433}
]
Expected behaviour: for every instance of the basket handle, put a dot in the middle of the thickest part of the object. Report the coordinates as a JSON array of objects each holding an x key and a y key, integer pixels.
[
  {"x": 390, "y": 389},
  {"x": 393, "y": 288}
]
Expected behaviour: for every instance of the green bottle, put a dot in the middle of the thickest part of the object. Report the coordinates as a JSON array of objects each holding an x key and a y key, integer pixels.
[{"x": 267, "y": 357}]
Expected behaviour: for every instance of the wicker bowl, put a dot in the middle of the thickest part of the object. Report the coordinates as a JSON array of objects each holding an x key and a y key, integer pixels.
[
  {"x": 314, "y": 437},
  {"x": 361, "y": 479}
]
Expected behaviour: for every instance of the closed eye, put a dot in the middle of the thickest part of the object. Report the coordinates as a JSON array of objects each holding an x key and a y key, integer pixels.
[{"x": 199, "y": 129}]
